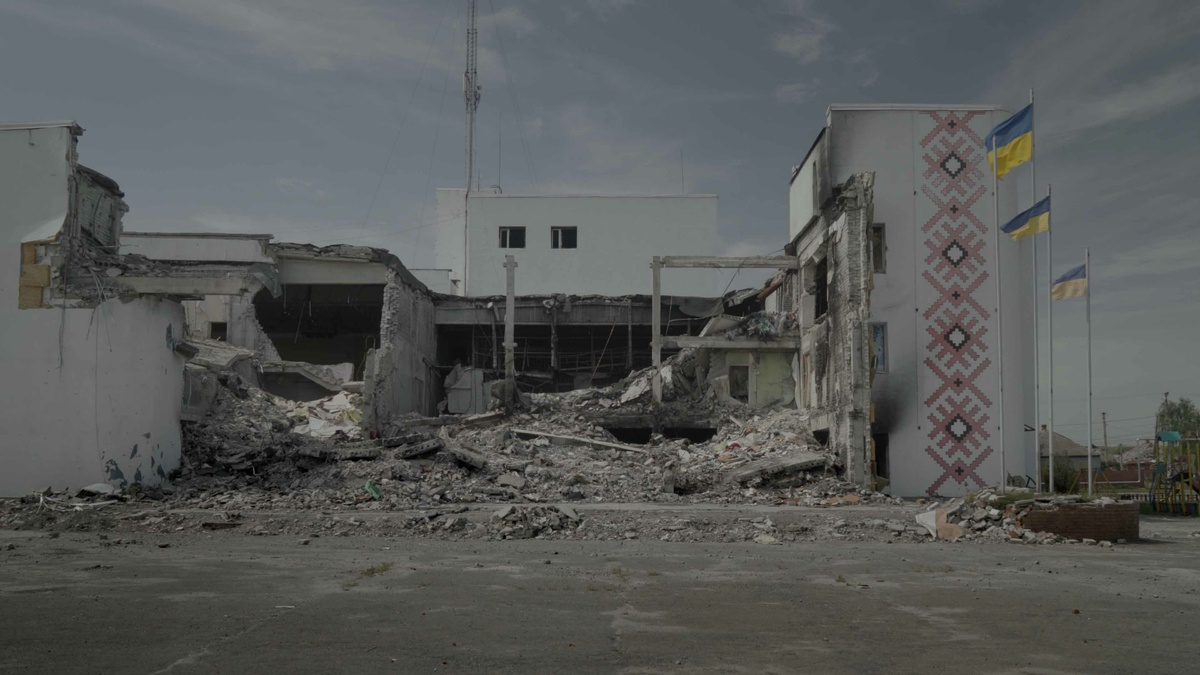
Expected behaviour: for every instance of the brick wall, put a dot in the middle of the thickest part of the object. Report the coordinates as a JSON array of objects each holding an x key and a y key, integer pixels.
[{"x": 1102, "y": 522}]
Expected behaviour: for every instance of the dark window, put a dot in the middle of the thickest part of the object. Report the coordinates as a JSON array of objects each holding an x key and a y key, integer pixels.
[
  {"x": 739, "y": 383},
  {"x": 879, "y": 248},
  {"x": 512, "y": 237},
  {"x": 564, "y": 237},
  {"x": 822, "y": 287},
  {"x": 218, "y": 330},
  {"x": 883, "y": 467}
]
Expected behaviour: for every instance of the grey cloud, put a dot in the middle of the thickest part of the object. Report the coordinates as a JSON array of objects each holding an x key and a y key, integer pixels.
[{"x": 797, "y": 92}]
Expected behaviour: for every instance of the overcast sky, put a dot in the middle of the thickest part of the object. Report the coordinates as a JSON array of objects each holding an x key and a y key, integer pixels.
[{"x": 329, "y": 122}]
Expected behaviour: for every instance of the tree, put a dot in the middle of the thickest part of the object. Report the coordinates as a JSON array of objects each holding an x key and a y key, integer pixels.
[{"x": 1181, "y": 415}]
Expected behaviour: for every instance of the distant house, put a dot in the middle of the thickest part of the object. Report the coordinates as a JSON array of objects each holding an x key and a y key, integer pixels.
[{"x": 1076, "y": 452}]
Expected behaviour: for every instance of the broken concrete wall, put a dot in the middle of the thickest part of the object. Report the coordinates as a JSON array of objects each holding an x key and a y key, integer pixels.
[
  {"x": 93, "y": 392},
  {"x": 245, "y": 331},
  {"x": 831, "y": 295},
  {"x": 399, "y": 376}
]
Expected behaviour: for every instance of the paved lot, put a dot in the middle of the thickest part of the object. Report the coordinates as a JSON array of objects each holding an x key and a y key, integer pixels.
[{"x": 232, "y": 603}]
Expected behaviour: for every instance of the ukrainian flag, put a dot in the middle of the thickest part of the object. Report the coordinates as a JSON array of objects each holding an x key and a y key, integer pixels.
[
  {"x": 1010, "y": 144},
  {"x": 1073, "y": 284},
  {"x": 1033, "y": 220}
]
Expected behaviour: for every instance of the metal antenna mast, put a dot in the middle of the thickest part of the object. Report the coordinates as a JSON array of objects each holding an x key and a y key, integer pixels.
[{"x": 471, "y": 90}]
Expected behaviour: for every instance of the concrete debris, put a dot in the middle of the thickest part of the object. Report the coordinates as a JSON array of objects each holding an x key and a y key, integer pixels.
[
  {"x": 255, "y": 451},
  {"x": 975, "y": 518},
  {"x": 765, "y": 325},
  {"x": 97, "y": 489},
  {"x": 772, "y": 467},
  {"x": 338, "y": 415}
]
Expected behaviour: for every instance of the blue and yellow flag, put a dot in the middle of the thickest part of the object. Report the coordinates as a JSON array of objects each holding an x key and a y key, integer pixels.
[
  {"x": 1031, "y": 221},
  {"x": 1073, "y": 284},
  {"x": 1013, "y": 142}
]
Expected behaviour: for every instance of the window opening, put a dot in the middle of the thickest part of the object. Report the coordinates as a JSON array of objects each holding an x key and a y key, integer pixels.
[
  {"x": 512, "y": 237},
  {"x": 564, "y": 237}
]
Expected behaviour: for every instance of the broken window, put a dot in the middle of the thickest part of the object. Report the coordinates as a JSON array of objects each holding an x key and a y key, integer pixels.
[
  {"x": 218, "y": 330},
  {"x": 879, "y": 347},
  {"x": 739, "y": 383},
  {"x": 564, "y": 237},
  {"x": 822, "y": 287},
  {"x": 512, "y": 237},
  {"x": 879, "y": 248}
]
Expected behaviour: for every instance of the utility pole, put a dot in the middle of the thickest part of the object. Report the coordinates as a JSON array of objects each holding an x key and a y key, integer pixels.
[
  {"x": 1104, "y": 425},
  {"x": 510, "y": 342}
]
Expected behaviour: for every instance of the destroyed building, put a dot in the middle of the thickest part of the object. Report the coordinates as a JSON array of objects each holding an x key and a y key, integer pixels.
[
  {"x": 93, "y": 339},
  {"x": 334, "y": 318},
  {"x": 891, "y": 220},
  {"x": 563, "y": 342},
  {"x": 345, "y": 315}
]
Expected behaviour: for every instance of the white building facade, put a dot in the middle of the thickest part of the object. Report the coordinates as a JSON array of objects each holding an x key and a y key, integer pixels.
[
  {"x": 935, "y": 327},
  {"x": 94, "y": 387},
  {"x": 585, "y": 245}
]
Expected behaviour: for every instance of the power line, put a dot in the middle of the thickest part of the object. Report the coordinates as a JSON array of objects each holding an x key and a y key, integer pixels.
[
  {"x": 404, "y": 120},
  {"x": 1084, "y": 424}
]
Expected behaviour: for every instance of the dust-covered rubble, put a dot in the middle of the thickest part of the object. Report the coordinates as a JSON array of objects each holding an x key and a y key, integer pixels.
[{"x": 987, "y": 515}]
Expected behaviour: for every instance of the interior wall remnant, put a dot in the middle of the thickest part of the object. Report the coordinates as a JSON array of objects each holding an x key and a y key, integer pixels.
[
  {"x": 400, "y": 375},
  {"x": 245, "y": 331},
  {"x": 774, "y": 384}
]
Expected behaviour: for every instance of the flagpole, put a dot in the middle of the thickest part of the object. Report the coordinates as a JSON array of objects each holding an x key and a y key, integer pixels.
[
  {"x": 1087, "y": 274},
  {"x": 999, "y": 324},
  {"x": 1049, "y": 347},
  {"x": 1037, "y": 362}
]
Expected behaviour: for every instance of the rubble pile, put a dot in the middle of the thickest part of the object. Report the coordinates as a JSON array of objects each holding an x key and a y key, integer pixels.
[
  {"x": 247, "y": 431},
  {"x": 255, "y": 451},
  {"x": 978, "y": 517}
]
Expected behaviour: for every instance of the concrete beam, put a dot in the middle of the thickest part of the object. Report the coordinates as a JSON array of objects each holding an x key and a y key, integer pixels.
[
  {"x": 716, "y": 262},
  {"x": 185, "y": 286},
  {"x": 718, "y": 342},
  {"x": 295, "y": 271}
]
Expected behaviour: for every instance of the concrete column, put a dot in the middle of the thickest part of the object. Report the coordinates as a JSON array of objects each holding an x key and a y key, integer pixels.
[
  {"x": 554, "y": 338},
  {"x": 510, "y": 343}
]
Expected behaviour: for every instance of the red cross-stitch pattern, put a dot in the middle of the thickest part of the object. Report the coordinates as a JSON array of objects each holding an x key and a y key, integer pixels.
[{"x": 956, "y": 321}]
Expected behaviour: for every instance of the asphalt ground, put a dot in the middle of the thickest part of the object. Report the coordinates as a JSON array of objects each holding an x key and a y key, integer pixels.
[{"x": 225, "y": 602}]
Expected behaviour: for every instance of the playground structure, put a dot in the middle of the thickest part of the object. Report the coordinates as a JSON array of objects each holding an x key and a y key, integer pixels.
[{"x": 1176, "y": 484}]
